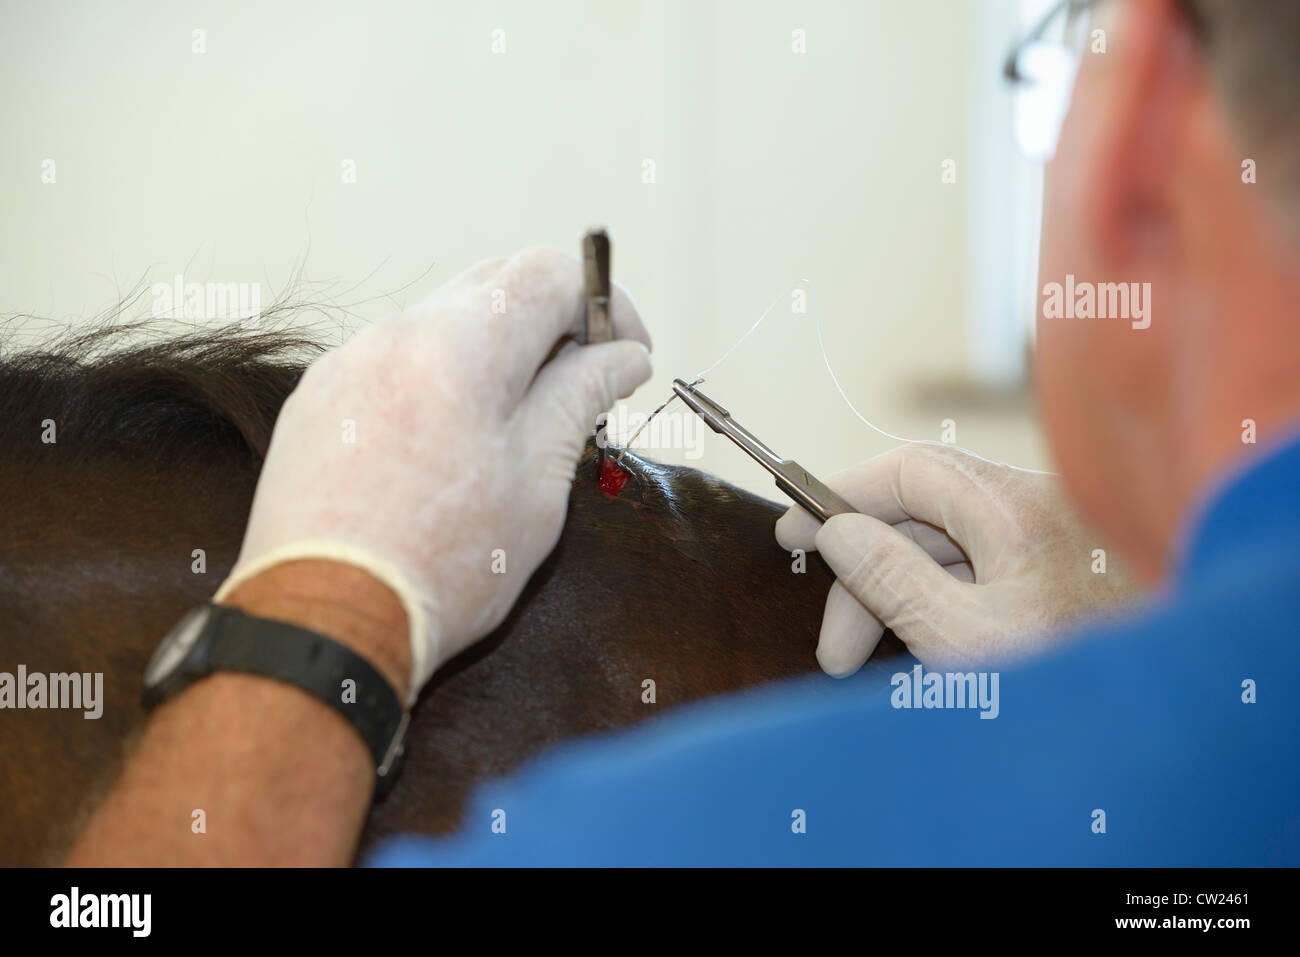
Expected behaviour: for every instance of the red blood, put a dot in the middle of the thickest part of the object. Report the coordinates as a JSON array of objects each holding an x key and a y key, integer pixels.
[{"x": 612, "y": 476}]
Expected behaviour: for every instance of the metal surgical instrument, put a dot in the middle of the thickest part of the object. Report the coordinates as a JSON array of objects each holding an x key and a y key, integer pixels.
[
  {"x": 599, "y": 325},
  {"x": 791, "y": 477}
]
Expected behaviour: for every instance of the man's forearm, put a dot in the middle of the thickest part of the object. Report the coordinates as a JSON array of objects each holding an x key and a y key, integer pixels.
[{"x": 279, "y": 777}]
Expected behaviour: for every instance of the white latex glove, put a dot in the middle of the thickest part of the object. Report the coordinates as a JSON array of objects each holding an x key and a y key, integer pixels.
[
  {"x": 464, "y": 444},
  {"x": 967, "y": 561}
]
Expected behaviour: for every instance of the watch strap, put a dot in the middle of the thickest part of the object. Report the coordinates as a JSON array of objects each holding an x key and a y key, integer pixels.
[{"x": 320, "y": 666}]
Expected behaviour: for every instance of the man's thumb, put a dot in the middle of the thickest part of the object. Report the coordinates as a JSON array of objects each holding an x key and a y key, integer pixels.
[{"x": 584, "y": 381}]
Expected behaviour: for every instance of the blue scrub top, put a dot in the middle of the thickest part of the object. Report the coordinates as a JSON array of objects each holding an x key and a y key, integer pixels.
[{"x": 1166, "y": 738}]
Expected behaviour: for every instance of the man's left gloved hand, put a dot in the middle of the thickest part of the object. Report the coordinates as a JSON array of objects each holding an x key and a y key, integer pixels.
[{"x": 435, "y": 450}]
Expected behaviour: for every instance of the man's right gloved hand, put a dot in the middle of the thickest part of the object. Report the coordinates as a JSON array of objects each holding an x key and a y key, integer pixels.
[{"x": 965, "y": 560}]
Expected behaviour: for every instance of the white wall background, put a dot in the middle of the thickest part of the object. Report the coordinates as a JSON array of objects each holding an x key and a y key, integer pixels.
[{"x": 770, "y": 166}]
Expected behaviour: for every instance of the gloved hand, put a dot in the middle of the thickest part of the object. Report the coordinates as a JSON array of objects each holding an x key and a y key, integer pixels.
[
  {"x": 436, "y": 450},
  {"x": 967, "y": 561}
]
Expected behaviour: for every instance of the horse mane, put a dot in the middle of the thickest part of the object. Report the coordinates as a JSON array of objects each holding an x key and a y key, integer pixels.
[{"x": 182, "y": 398}]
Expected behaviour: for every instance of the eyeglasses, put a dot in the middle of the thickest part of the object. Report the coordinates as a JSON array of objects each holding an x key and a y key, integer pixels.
[{"x": 1043, "y": 67}]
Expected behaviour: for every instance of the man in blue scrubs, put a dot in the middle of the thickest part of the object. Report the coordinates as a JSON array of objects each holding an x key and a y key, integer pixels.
[
  {"x": 1048, "y": 723},
  {"x": 1169, "y": 737}
]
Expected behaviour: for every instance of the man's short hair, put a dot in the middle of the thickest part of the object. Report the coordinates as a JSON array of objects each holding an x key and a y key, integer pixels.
[{"x": 1254, "y": 53}]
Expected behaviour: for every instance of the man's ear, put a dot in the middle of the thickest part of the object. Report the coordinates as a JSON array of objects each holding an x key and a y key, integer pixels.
[{"x": 1158, "y": 86}]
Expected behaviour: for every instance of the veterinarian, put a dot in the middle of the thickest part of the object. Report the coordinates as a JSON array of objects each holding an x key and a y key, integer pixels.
[{"x": 436, "y": 449}]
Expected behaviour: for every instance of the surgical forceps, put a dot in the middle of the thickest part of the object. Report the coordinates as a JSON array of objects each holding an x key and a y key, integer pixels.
[{"x": 791, "y": 477}]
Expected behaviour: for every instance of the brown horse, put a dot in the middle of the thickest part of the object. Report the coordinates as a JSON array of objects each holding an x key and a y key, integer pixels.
[{"x": 126, "y": 475}]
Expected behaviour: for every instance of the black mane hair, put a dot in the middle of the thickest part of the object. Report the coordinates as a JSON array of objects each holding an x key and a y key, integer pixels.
[{"x": 109, "y": 393}]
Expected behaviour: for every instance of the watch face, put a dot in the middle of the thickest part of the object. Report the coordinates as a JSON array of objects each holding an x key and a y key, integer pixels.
[{"x": 174, "y": 648}]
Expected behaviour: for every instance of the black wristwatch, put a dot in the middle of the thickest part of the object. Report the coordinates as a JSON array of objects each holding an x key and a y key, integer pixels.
[{"x": 215, "y": 638}]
